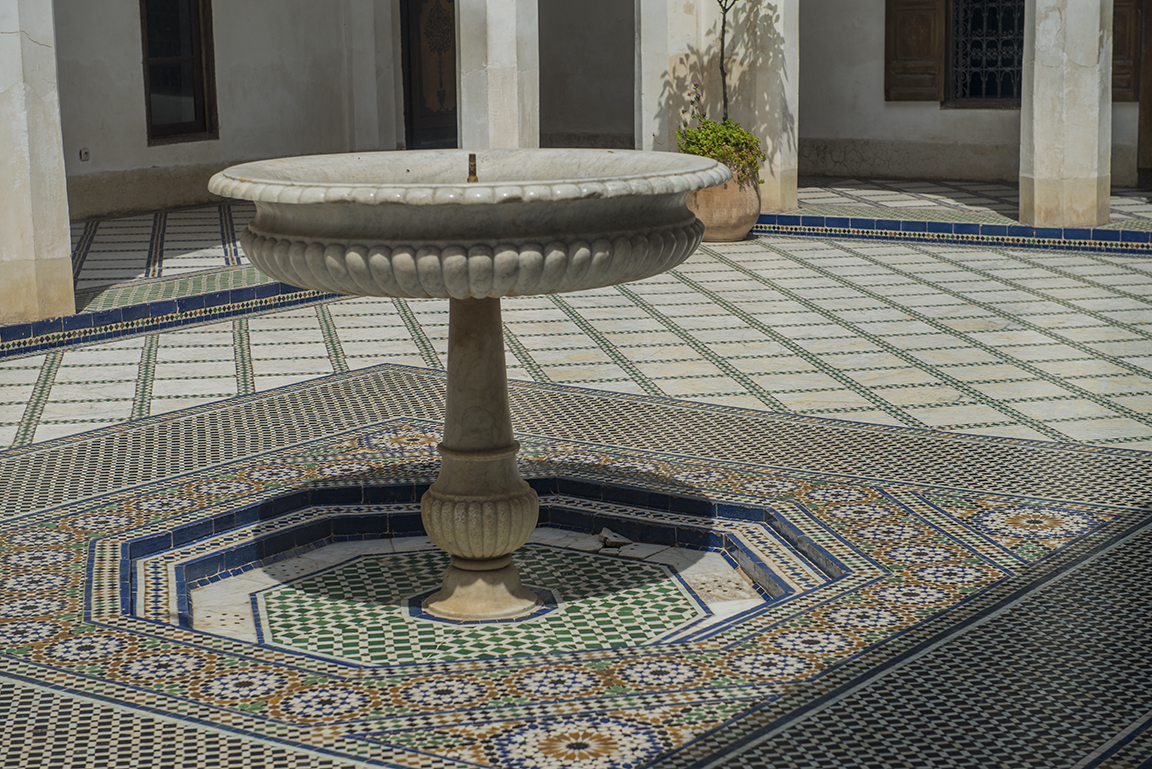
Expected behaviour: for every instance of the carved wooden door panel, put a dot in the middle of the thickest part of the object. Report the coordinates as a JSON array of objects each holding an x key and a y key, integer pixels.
[{"x": 429, "y": 57}]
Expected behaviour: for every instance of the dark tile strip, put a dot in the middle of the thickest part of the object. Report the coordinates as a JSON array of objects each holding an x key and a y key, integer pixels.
[
  {"x": 156, "y": 246},
  {"x": 245, "y": 378},
  {"x": 83, "y": 247},
  {"x": 228, "y": 235},
  {"x": 331, "y": 339},
  {"x": 1128, "y": 746},
  {"x": 18, "y": 339},
  {"x": 606, "y": 344},
  {"x": 31, "y": 418},
  {"x": 1097, "y": 239},
  {"x": 146, "y": 375},
  {"x": 423, "y": 343},
  {"x": 522, "y": 353}
]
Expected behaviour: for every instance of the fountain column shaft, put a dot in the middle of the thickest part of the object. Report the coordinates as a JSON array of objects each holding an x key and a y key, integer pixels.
[
  {"x": 476, "y": 415},
  {"x": 479, "y": 509}
]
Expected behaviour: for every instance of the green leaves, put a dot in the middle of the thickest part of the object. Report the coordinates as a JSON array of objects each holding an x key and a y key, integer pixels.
[{"x": 726, "y": 142}]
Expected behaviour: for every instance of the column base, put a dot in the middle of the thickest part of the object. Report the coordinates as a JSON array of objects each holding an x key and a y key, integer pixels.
[
  {"x": 1065, "y": 202},
  {"x": 482, "y": 595}
]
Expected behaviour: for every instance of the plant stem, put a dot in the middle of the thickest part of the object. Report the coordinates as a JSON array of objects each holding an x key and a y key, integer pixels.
[{"x": 724, "y": 8}]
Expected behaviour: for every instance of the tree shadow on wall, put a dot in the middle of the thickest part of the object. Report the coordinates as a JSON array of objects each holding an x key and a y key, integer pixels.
[{"x": 758, "y": 78}]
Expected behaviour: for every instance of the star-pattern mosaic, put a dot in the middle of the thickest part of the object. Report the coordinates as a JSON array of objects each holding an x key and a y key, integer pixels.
[
  {"x": 358, "y": 611},
  {"x": 937, "y": 598},
  {"x": 911, "y": 560}
]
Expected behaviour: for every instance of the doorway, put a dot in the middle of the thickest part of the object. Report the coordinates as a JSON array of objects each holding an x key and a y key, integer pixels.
[{"x": 428, "y": 56}]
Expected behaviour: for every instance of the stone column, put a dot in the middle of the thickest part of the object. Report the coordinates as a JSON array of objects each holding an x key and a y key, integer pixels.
[
  {"x": 360, "y": 58},
  {"x": 35, "y": 245},
  {"x": 498, "y": 55},
  {"x": 777, "y": 102},
  {"x": 652, "y": 54},
  {"x": 667, "y": 53},
  {"x": 678, "y": 44},
  {"x": 1066, "y": 113},
  {"x": 479, "y": 509}
]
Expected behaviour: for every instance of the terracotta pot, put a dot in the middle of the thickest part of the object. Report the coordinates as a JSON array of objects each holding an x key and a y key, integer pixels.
[{"x": 728, "y": 211}]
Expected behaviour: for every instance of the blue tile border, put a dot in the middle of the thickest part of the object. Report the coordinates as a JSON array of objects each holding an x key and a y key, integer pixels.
[
  {"x": 18, "y": 339},
  {"x": 280, "y": 543},
  {"x": 1128, "y": 242}
]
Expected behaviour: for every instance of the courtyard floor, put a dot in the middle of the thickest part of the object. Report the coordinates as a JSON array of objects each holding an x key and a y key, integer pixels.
[{"x": 887, "y": 480}]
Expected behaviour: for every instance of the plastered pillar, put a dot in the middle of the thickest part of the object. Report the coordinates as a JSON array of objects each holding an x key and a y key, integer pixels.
[
  {"x": 35, "y": 245},
  {"x": 361, "y": 61},
  {"x": 498, "y": 50},
  {"x": 651, "y": 73},
  {"x": 667, "y": 60},
  {"x": 776, "y": 102},
  {"x": 677, "y": 44},
  {"x": 1066, "y": 113}
]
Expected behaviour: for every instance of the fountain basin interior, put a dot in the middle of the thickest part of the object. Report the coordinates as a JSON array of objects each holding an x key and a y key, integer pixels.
[
  {"x": 304, "y": 567},
  {"x": 408, "y": 224},
  {"x": 439, "y": 177}
]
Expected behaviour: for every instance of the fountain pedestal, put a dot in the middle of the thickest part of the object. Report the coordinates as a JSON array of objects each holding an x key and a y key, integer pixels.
[
  {"x": 479, "y": 510},
  {"x": 413, "y": 224}
]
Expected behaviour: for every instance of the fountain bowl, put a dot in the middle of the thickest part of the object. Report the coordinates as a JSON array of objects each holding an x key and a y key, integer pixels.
[
  {"x": 409, "y": 224},
  {"x": 413, "y": 224}
]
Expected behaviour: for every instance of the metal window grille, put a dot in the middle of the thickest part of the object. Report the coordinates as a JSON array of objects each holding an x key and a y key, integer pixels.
[{"x": 988, "y": 49}]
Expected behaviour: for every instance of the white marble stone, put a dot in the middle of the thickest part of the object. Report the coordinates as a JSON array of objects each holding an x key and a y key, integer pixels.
[
  {"x": 498, "y": 73},
  {"x": 408, "y": 544},
  {"x": 779, "y": 123},
  {"x": 225, "y": 607},
  {"x": 612, "y": 539},
  {"x": 641, "y": 550},
  {"x": 709, "y": 574},
  {"x": 473, "y": 227},
  {"x": 545, "y": 222},
  {"x": 35, "y": 244},
  {"x": 1066, "y": 113}
]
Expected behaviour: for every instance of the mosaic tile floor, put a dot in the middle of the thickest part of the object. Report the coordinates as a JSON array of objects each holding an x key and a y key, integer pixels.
[
  {"x": 885, "y": 503},
  {"x": 909, "y": 542},
  {"x": 991, "y": 202},
  {"x": 983, "y": 339}
]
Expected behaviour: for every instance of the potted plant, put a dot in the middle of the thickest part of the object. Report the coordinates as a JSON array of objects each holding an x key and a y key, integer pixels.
[{"x": 730, "y": 210}]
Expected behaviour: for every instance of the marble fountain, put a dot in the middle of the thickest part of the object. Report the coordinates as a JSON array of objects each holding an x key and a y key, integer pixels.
[{"x": 472, "y": 228}]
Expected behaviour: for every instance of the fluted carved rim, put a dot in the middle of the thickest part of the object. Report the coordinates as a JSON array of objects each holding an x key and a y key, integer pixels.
[
  {"x": 476, "y": 272},
  {"x": 284, "y": 180}
]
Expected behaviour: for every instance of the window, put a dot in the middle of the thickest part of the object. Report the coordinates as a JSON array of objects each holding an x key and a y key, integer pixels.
[
  {"x": 179, "y": 85},
  {"x": 987, "y": 51},
  {"x": 969, "y": 53},
  {"x": 428, "y": 43}
]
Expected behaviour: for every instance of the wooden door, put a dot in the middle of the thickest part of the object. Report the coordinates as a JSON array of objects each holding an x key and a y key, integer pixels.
[{"x": 428, "y": 46}]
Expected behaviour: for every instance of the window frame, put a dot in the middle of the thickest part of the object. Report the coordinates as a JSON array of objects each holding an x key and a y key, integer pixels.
[
  {"x": 904, "y": 79},
  {"x": 949, "y": 101},
  {"x": 206, "y": 125}
]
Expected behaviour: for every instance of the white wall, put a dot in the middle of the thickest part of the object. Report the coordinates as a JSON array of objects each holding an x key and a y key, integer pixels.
[
  {"x": 1125, "y": 136},
  {"x": 846, "y": 128},
  {"x": 289, "y": 80},
  {"x": 586, "y": 73}
]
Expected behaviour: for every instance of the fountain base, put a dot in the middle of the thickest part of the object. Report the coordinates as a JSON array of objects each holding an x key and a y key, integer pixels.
[{"x": 482, "y": 595}]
